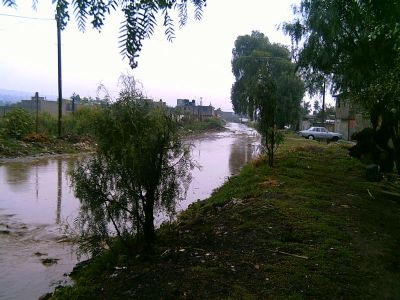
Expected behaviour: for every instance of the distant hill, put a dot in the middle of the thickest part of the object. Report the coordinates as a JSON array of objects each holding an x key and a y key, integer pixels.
[{"x": 11, "y": 96}]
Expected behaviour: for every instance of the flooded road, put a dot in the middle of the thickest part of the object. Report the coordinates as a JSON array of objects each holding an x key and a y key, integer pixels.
[
  {"x": 36, "y": 201},
  {"x": 220, "y": 155}
]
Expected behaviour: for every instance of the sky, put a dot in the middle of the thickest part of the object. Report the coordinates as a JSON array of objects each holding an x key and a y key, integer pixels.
[{"x": 196, "y": 65}]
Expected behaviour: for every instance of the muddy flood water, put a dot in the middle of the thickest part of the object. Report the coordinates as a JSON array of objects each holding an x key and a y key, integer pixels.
[{"x": 36, "y": 201}]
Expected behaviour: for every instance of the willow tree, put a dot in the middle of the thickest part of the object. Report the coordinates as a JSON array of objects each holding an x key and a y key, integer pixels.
[
  {"x": 266, "y": 87},
  {"x": 140, "y": 18},
  {"x": 140, "y": 167},
  {"x": 356, "y": 44}
]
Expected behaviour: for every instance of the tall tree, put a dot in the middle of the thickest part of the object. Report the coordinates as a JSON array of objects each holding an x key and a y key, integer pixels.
[
  {"x": 254, "y": 54},
  {"x": 140, "y": 18},
  {"x": 266, "y": 85},
  {"x": 140, "y": 166},
  {"x": 356, "y": 45}
]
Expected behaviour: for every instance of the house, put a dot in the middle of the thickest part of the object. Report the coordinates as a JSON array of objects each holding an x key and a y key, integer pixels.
[
  {"x": 228, "y": 116},
  {"x": 189, "y": 108},
  {"x": 41, "y": 105},
  {"x": 350, "y": 117},
  {"x": 185, "y": 103}
]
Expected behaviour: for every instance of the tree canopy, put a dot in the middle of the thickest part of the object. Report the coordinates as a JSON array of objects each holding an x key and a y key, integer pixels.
[
  {"x": 266, "y": 86},
  {"x": 258, "y": 63},
  {"x": 139, "y": 23},
  {"x": 352, "y": 42},
  {"x": 356, "y": 46}
]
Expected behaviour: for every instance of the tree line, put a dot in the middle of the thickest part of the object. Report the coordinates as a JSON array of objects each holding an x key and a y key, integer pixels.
[{"x": 354, "y": 46}]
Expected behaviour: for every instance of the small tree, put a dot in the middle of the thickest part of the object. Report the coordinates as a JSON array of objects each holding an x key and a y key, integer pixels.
[
  {"x": 140, "y": 166},
  {"x": 266, "y": 93}
]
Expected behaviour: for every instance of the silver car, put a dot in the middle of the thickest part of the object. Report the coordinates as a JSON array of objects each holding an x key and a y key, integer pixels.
[{"x": 320, "y": 133}]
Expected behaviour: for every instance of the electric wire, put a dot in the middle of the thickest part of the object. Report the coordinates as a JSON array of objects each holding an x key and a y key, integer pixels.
[{"x": 25, "y": 17}]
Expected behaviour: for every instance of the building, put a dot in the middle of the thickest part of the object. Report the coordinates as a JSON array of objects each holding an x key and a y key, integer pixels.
[
  {"x": 349, "y": 118},
  {"x": 228, "y": 116},
  {"x": 185, "y": 103},
  {"x": 41, "y": 105},
  {"x": 190, "y": 109}
]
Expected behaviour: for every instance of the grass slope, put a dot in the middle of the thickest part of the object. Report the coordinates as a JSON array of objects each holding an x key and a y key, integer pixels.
[{"x": 311, "y": 227}]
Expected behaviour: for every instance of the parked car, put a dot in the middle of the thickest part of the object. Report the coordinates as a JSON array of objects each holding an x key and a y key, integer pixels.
[{"x": 320, "y": 133}]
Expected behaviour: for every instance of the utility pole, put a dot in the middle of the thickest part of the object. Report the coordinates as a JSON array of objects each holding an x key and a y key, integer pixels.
[
  {"x": 73, "y": 104},
  {"x": 59, "y": 75},
  {"x": 37, "y": 111},
  {"x": 323, "y": 105}
]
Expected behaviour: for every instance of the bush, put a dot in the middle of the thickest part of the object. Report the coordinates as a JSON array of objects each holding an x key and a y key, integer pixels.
[
  {"x": 47, "y": 124},
  {"x": 18, "y": 123},
  {"x": 82, "y": 122}
]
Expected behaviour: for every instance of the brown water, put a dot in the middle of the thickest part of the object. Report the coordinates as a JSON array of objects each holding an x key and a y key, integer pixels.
[{"x": 36, "y": 200}]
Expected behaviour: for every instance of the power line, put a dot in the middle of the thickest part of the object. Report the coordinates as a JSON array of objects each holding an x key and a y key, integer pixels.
[{"x": 24, "y": 17}]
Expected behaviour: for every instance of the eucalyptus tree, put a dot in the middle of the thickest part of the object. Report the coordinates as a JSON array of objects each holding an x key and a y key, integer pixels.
[
  {"x": 266, "y": 86},
  {"x": 140, "y": 166},
  {"x": 356, "y": 45},
  {"x": 140, "y": 18}
]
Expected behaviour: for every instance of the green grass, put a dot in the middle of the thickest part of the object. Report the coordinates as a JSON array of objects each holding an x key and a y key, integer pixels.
[
  {"x": 11, "y": 148},
  {"x": 203, "y": 125},
  {"x": 311, "y": 227}
]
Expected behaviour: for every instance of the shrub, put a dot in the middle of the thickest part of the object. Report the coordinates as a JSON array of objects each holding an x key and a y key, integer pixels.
[
  {"x": 82, "y": 122},
  {"x": 47, "y": 124},
  {"x": 18, "y": 123}
]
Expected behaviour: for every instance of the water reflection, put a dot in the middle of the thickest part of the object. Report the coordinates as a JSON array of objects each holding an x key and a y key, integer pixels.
[
  {"x": 219, "y": 156},
  {"x": 59, "y": 190},
  {"x": 19, "y": 173},
  {"x": 37, "y": 189},
  {"x": 34, "y": 200},
  {"x": 243, "y": 149}
]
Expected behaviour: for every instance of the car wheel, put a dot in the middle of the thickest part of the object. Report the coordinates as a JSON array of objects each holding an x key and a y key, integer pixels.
[
  {"x": 310, "y": 137},
  {"x": 335, "y": 139}
]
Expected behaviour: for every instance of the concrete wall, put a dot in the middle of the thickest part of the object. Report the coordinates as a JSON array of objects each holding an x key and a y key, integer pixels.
[
  {"x": 43, "y": 106},
  {"x": 349, "y": 119}
]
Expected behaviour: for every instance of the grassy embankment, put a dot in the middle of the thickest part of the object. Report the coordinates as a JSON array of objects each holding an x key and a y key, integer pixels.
[
  {"x": 12, "y": 148},
  {"x": 311, "y": 227},
  {"x": 208, "y": 124}
]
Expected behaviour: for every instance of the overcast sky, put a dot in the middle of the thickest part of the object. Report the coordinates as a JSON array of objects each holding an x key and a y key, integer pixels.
[{"x": 197, "y": 64}]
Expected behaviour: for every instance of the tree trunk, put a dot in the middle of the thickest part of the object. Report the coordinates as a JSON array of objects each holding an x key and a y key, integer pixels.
[
  {"x": 269, "y": 143},
  {"x": 148, "y": 227},
  {"x": 396, "y": 151}
]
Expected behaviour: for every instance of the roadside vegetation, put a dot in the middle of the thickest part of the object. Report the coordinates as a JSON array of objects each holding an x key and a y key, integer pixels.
[
  {"x": 190, "y": 126},
  {"x": 23, "y": 135},
  {"x": 20, "y": 136},
  {"x": 311, "y": 227}
]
